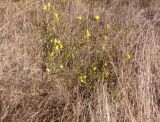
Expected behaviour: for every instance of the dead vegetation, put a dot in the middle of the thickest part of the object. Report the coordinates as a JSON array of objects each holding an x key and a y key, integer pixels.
[{"x": 111, "y": 78}]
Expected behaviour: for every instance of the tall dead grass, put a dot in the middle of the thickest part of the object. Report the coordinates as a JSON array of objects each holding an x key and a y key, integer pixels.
[{"x": 27, "y": 94}]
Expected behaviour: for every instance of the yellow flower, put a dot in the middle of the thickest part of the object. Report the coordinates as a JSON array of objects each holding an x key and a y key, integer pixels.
[
  {"x": 58, "y": 42},
  {"x": 127, "y": 57},
  {"x": 55, "y": 41},
  {"x": 80, "y": 18},
  {"x": 57, "y": 47},
  {"x": 105, "y": 37},
  {"x": 82, "y": 78},
  {"x": 47, "y": 7},
  {"x": 88, "y": 34},
  {"x": 61, "y": 66},
  {"x": 51, "y": 41},
  {"x": 60, "y": 46},
  {"x": 108, "y": 26},
  {"x": 97, "y": 18},
  {"x": 94, "y": 68},
  {"x": 52, "y": 54},
  {"x": 56, "y": 17},
  {"x": 106, "y": 74}
]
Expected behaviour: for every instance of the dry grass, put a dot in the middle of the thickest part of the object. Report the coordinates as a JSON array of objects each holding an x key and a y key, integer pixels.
[{"x": 131, "y": 55}]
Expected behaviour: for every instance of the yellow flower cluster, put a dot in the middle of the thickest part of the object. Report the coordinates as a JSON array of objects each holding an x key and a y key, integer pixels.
[
  {"x": 58, "y": 45},
  {"x": 127, "y": 57},
  {"x": 47, "y": 7},
  {"x": 82, "y": 78},
  {"x": 107, "y": 74}
]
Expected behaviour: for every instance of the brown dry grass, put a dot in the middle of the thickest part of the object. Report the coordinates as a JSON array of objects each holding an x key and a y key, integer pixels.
[{"x": 132, "y": 94}]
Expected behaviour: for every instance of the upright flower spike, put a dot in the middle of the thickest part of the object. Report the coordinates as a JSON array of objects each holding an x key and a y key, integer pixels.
[
  {"x": 97, "y": 18},
  {"x": 57, "y": 44}
]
